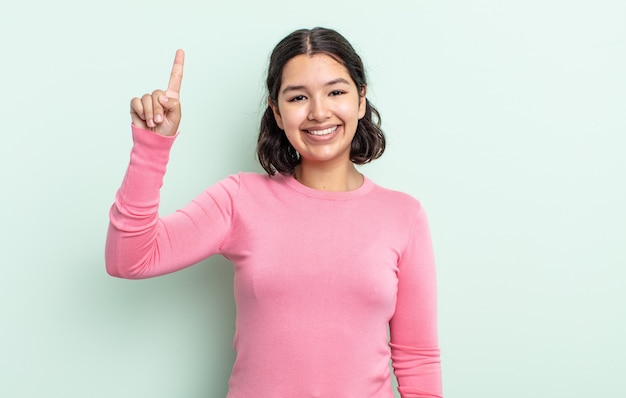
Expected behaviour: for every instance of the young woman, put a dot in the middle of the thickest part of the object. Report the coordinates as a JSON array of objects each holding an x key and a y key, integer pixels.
[{"x": 325, "y": 260}]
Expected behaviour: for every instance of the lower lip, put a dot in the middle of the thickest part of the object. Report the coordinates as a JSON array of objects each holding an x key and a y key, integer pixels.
[{"x": 322, "y": 138}]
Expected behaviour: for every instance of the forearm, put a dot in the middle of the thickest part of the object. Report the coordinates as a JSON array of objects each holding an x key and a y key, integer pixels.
[
  {"x": 131, "y": 244},
  {"x": 414, "y": 340}
]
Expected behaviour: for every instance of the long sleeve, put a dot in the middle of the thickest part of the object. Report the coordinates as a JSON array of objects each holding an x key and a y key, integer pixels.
[
  {"x": 140, "y": 244},
  {"x": 413, "y": 328},
  {"x": 316, "y": 284}
]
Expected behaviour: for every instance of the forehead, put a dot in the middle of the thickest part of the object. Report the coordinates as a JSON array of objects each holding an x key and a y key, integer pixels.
[{"x": 313, "y": 69}]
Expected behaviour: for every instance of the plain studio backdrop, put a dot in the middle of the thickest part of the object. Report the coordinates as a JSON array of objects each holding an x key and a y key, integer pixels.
[{"x": 505, "y": 119}]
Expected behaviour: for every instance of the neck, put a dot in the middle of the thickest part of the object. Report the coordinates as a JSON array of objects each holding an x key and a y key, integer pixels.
[{"x": 324, "y": 178}]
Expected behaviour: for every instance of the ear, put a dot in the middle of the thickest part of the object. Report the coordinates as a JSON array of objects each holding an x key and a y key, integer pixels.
[
  {"x": 362, "y": 101},
  {"x": 279, "y": 119}
]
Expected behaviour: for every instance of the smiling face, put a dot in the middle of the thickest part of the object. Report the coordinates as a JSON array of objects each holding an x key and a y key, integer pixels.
[{"x": 318, "y": 107}]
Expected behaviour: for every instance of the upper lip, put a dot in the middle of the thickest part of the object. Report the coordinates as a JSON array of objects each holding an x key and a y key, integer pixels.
[{"x": 318, "y": 128}]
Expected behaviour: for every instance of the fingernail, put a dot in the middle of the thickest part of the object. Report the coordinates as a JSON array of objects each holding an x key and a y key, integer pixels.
[
  {"x": 158, "y": 118},
  {"x": 150, "y": 123},
  {"x": 164, "y": 98}
]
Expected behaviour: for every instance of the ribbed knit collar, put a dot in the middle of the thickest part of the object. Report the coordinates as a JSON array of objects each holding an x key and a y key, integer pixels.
[{"x": 294, "y": 184}]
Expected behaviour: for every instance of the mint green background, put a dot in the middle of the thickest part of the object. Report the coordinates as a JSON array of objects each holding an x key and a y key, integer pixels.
[{"x": 506, "y": 119}]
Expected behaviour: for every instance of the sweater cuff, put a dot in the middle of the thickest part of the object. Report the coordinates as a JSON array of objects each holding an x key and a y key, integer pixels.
[
  {"x": 148, "y": 162},
  {"x": 152, "y": 140}
]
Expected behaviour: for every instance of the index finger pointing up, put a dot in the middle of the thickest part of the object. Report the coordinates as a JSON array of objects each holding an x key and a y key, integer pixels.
[{"x": 176, "y": 77}]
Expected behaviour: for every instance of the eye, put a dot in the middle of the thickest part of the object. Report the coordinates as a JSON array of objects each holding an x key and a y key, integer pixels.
[
  {"x": 336, "y": 92},
  {"x": 297, "y": 98}
]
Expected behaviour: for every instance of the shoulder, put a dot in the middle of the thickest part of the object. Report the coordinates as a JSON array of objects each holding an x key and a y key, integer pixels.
[
  {"x": 253, "y": 178},
  {"x": 398, "y": 200},
  {"x": 255, "y": 181},
  {"x": 245, "y": 178},
  {"x": 250, "y": 182}
]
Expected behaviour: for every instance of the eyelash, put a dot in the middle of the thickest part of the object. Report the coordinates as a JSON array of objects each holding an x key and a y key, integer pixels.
[
  {"x": 297, "y": 98},
  {"x": 333, "y": 93}
]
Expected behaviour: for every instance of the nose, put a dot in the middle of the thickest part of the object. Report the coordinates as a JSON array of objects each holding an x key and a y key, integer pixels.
[{"x": 318, "y": 110}]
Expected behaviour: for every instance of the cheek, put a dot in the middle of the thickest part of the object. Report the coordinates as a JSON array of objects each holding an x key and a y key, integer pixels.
[
  {"x": 350, "y": 113},
  {"x": 293, "y": 118}
]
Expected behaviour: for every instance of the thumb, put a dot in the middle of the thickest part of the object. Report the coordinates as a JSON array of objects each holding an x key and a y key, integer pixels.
[
  {"x": 171, "y": 107},
  {"x": 170, "y": 104}
]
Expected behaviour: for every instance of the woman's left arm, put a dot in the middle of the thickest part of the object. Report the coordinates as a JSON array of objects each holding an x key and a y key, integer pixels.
[{"x": 414, "y": 342}]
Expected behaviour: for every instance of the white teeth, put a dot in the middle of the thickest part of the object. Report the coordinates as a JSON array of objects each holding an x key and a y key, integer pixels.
[{"x": 322, "y": 132}]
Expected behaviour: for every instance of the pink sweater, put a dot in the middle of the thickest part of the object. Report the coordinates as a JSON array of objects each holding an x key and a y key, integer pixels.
[{"x": 319, "y": 276}]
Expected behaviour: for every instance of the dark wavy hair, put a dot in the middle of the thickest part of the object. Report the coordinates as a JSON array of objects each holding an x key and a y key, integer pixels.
[{"x": 274, "y": 151}]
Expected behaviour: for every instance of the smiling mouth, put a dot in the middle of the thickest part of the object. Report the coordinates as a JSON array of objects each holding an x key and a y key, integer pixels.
[{"x": 322, "y": 132}]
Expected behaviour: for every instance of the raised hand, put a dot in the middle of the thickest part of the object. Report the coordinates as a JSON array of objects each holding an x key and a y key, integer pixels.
[{"x": 160, "y": 111}]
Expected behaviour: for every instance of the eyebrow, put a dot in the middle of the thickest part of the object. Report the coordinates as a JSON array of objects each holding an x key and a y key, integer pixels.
[{"x": 330, "y": 83}]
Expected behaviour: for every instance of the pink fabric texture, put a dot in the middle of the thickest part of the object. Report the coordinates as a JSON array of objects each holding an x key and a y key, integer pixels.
[{"x": 319, "y": 276}]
